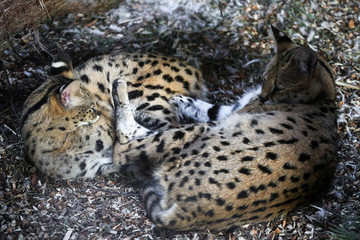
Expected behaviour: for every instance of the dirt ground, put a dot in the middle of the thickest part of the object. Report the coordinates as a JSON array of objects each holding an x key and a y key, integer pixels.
[{"x": 228, "y": 40}]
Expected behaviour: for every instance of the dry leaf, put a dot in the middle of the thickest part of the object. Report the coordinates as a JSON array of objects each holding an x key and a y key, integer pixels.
[
  {"x": 92, "y": 23},
  {"x": 351, "y": 24}
]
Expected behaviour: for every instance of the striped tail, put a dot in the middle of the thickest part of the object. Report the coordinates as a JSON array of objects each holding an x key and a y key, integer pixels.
[{"x": 155, "y": 203}]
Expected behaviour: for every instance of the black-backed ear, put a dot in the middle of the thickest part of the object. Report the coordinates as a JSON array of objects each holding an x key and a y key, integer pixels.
[
  {"x": 282, "y": 42},
  {"x": 62, "y": 65},
  {"x": 305, "y": 60}
]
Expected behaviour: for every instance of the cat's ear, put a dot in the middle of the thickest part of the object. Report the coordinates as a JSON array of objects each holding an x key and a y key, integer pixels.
[
  {"x": 71, "y": 95},
  {"x": 282, "y": 42},
  {"x": 305, "y": 61},
  {"x": 62, "y": 65}
]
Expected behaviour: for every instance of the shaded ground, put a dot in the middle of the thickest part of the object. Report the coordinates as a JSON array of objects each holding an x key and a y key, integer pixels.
[{"x": 229, "y": 42}]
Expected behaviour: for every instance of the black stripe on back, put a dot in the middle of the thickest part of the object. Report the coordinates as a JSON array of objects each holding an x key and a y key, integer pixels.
[{"x": 43, "y": 100}]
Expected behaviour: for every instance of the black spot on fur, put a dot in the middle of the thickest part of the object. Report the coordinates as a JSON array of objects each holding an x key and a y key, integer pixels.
[
  {"x": 242, "y": 194},
  {"x": 221, "y": 171},
  {"x": 289, "y": 166},
  {"x": 191, "y": 199},
  {"x": 210, "y": 213},
  {"x": 188, "y": 71},
  {"x": 237, "y": 134},
  {"x": 160, "y": 147},
  {"x": 178, "y": 174},
  {"x": 231, "y": 185},
  {"x": 142, "y": 106},
  {"x": 288, "y": 141},
  {"x": 181, "y": 79},
  {"x": 176, "y": 150},
  {"x": 99, "y": 145},
  {"x": 154, "y": 87},
  {"x": 178, "y": 135},
  {"x": 213, "y": 181},
  {"x": 204, "y": 195},
  {"x": 253, "y": 123},
  {"x": 101, "y": 87},
  {"x": 257, "y": 189},
  {"x": 167, "y": 78},
  {"x": 197, "y": 182},
  {"x": 175, "y": 69},
  {"x": 135, "y": 94},
  {"x": 194, "y": 152},
  {"x": 276, "y": 131},
  {"x": 169, "y": 91},
  {"x": 272, "y": 184},
  {"x": 262, "y": 209},
  {"x": 264, "y": 169},
  {"x": 205, "y": 155},
  {"x": 273, "y": 196},
  {"x": 82, "y": 166},
  {"x": 84, "y": 78},
  {"x": 269, "y": 144},
  {"x": 245, "y": 171},
  {"x": 237, "y": 215},
  {"x": 213, "y": 112},
  {"x": 216, "y": 148},
  {"x": 259, "y": 131},
  {"x": 220, "y": 201},
  {"x": 155, "y": 108},
  {"x": 294, "y": 179},
  {"x": 229, "y": 208},
  {"x": 291, "y": 119},
  {"x": 247, "y": 159},
  {"x": 183, "y": 181},
  {"x": 314, "y": 144},
  {"x": 97, "y": 68},
  {"x": 287, "y": 126},
  {"x": 154, "y": 63},
  {"x": 157, "y": 72},
  {"x": 304, "y": 157},
  {"x": 282, "y": 178},
  {"x": 222, "y": 158},
  {"x": 272, "y": 156}
]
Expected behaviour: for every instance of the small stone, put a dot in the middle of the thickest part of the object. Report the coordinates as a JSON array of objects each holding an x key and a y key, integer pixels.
[{"x": 109, "y": 229}]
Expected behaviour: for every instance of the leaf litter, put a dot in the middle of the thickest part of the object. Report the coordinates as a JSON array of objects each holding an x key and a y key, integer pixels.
[{"x": 228, "y": 40}]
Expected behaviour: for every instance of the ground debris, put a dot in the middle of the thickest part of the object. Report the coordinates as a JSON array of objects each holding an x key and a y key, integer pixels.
[{"x": 231, "y": 45}]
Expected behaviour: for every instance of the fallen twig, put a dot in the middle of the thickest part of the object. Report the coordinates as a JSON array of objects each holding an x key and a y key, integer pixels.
[{"x": 347, "y": 85}]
